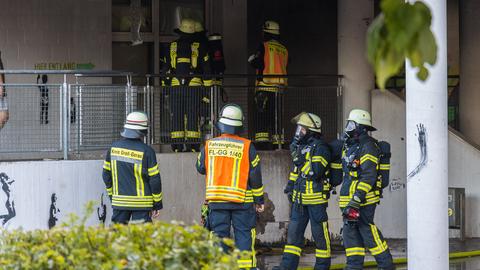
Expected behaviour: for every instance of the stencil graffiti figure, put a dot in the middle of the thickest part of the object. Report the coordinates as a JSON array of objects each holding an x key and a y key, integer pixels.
[
  {"x": 52, "y": 220},
  {"x": 102, "y": 216},
  {"x": 422, "y": 140},
  {"x": 9, "y": 203}
]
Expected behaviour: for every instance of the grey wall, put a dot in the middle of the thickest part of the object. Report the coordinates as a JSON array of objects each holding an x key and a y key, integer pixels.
[
  {"x": 55, "y": 31},
  {"x": 388, "y": 113}
]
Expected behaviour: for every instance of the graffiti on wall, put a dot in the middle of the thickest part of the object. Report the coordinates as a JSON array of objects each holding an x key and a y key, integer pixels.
[
  {"x": 52, "y": 220},
  {"x": 102, "y": 210},
  {"x": 6, "y": 183}
]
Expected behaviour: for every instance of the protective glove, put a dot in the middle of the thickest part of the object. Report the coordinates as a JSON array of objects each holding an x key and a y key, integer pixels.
[
  {"x": 261, "y": 101},
  {"x": 289, "y": 190},
  {"x": 352, "y": 213}
]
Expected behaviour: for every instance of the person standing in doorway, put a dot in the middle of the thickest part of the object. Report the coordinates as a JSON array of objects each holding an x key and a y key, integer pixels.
[
  {"x": 270, "y": 59},
  {"x": 186, "y": 63}
]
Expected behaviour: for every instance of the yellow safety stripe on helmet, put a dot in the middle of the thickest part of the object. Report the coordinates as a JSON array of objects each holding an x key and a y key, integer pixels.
[
  {"x": 109, "y": 191},
  {"x": 183, "y": 60},
  {"x": 355, "y": 251},
  {"x": 292, "y": 250},
  {"x": 137, "y": 169},
  {"x": 173, "y": 55},
  {"x": 256, "y": 161},
  {"x": 293, "y": 176},
  {"x": 153, "y": 171},
  {"x": 384, "y": 166},
  {"x": 192, "y": 134},
  {"x": 364, "y": 187},
  {"x": 257, "y": 192},
  {"x": 320, "y": 159},
  {"x": 195, "y": 54},
  {"x": 107, "y": 166},
  {"x": 336, "y": 165},
  {"x": 115, "y": 177},
  {"x": 381, "y": 245},
  {"x": 157, "y": 197},
  {"x": 366, "y": 157}
]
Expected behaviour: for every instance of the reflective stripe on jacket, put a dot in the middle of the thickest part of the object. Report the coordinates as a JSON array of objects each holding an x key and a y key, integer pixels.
[
  {"x": 275, "y": 61},
  {"x": 132, "y": 177},
  {"x": 232, "y": 169}
]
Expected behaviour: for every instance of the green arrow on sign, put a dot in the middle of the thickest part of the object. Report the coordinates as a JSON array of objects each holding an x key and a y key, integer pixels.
[{"x": 85, "y": 66}]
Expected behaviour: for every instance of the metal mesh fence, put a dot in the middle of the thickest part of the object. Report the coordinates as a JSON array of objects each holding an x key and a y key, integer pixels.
[
  {"x": 272, "y": 111},
  {"x": 35, "y": 119},
  {"x": 182, "y": 114},
  {"x": 97, "y": 113}
]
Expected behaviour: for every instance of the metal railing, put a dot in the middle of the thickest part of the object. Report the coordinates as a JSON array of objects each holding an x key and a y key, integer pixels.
[
  {"x": 66, "y": 116},
  {"x": 75, "y": 115},
  {"x": 177, "y": 110}
]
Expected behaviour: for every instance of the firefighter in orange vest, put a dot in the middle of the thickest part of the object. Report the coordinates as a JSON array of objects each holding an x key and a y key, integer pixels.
[
  {"x": 270, "y": 59},
  {"x": 234, "y": 188}
]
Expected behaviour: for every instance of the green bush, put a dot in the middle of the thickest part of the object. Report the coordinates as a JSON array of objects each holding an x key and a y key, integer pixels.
[{"x": 145, "y": 246}]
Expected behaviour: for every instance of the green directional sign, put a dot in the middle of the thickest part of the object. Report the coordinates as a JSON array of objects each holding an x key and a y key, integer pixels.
[
  {"x": 85, "y": 66},
  {"x": 64, "y": 66}
]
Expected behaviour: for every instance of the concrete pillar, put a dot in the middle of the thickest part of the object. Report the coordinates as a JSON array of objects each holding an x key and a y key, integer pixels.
[
  {"x": 427, "y": 155},
  {"x": 469, "y": 67},
  {"x": 354, "y": 16}
]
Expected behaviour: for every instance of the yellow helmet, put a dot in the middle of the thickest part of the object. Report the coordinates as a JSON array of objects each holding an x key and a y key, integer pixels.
[
  {"x": 361, "y": 117},
  {"x": 187, "y": 26},
  {"x": 198, "y": 27},
  {"x": 271, "y": 27},
  {"x": 308, "y": 120}
]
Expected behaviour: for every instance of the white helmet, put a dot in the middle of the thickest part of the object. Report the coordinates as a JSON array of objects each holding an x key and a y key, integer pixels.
[
  {"x": 361, "y": 117},
  {"x": 271, "y": 27},
  {"x": 231, "y": 119},
  {"x": 308, "y": 120},
  {"x": 136, "y": 125}
]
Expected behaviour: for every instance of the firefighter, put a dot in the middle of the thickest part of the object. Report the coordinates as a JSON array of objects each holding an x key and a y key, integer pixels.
[
  {"x": 186, "y": 63},
  {"x": 234, "y": 188},
  {"x": 131, "y": 174},
  {"x": 359, "y": 194},
  {"x": 270, "y": 59},
  {"x": 308, "y": 189}
]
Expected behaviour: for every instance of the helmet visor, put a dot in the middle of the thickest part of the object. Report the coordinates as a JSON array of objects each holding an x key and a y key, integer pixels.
[
  {"x": 351, "y": 126},
  {"x": 300, "y": 132}
]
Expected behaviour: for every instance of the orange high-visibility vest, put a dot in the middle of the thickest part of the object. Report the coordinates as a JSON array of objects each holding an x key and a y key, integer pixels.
[
  {"x": 227, "y": 162},
  {"x": 275, "y": 61}
]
